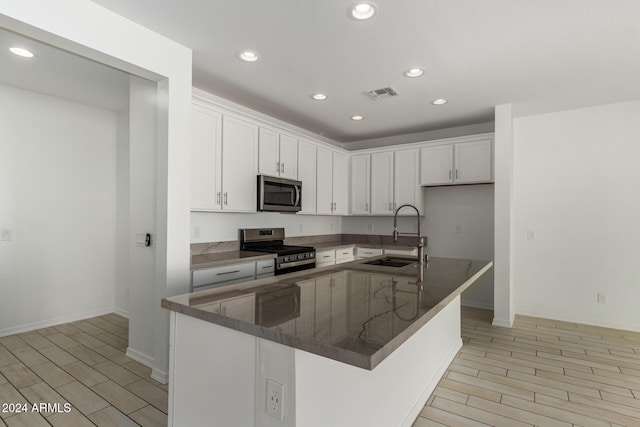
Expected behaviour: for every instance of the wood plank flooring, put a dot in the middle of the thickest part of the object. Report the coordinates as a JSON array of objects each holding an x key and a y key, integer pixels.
[
  {"x": 540, "y": 373},
  {"x": 82, "y": 364}
]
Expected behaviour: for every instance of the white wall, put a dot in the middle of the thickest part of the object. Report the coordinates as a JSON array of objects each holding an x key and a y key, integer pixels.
[
  {"x": 58, "y": 196},
  {"x": 216, "y": 227},
  {"x": 85, "y": 28},
  {"x": 458, "y": 223},
  {"x": 576, "y": 210}
]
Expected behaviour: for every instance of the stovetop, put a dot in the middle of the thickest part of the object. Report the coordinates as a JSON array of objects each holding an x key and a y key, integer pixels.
[{"x": 282, "y": 249}]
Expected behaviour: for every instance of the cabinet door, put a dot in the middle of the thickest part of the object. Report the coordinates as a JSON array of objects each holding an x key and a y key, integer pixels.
[
  {"x": 360, "y": 179},
  {"x": 288, "y": 156},
  {"x": 382, "y": 183},
  {"x": 473, "y": 161},
  {"x": 239, "y": 165},
  {"x": 241, "y": 308},
  {"x": 268, "y": 161},
  {"x": 340, "y": 184},
  {"x": 324, "y": 183},
  {"x": 437, "y": 165},
  {"x": 307, "y": 174},
  {"x": 407, "y": 180},
  {"x": 206, "y": 156}
]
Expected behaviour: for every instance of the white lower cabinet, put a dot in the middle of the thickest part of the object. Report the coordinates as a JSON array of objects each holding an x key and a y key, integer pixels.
[
  {"x": 325, "y": 258},
  {"x": 362, "y": 253},
  {"x": 215, "y": 277},
  {"x": 404, "y": 252},
  {"x": 344, "y": 255}
]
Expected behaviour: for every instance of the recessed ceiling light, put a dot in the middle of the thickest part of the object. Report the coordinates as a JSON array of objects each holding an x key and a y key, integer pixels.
[
  {"x": 357, "y": 118},
  {"x": 319, "y": 96},
  {"x": 439, "y": 101},
  {"x": 363, "y": 11},
  {"x": 248, "y": 56},
  {"x": 414, "y": 72},
  {"x": 21, "y": 52}
]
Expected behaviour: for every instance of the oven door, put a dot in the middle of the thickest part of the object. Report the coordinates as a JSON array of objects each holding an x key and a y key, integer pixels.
[
  {"x": 278, "y": 194},
  {"x": 292, "y": 266}
]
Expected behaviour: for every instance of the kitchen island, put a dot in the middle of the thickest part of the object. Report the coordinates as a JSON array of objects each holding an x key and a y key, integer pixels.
[{"x": 346, "y": 345}]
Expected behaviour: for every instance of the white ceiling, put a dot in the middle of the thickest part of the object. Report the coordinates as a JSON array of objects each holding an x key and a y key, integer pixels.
[
  {"x": 542, "y": 56},
  {"x": 58, "y": 73}
]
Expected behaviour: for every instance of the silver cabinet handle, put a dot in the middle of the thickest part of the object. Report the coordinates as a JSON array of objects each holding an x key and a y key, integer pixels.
[
  {"x": 449, "y": 173},
  {"x": 278, "y": 166},
  {"x": 218, "y": 198},
  {"x": 282, "y": 167},
  {"x": 225, "y": 197},
  {"x": 456, "y": 173},
  {"x": 267, "y": 266},
  {"x": 326, "y": 256},
  {"x": 390, "y": 206},
  {"x": 228, "y": 272},
  {"x": 366, "y": 206}
]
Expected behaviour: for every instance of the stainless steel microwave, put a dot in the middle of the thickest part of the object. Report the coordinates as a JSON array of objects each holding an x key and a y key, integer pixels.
[{"x": 279, "y": 194}]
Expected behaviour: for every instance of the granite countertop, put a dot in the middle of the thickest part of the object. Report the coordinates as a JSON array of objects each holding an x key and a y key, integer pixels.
[
  {"x": 353, "y": 312},
  {"x": 218, "y": 259}
]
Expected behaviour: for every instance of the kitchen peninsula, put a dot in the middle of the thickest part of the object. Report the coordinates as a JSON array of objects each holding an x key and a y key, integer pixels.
[{"x": 351, "y": 344}]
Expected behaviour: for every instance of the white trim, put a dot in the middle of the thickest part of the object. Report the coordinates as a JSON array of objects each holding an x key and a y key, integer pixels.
[
  {"x": 421, "y": 144},
  {"x": 121, "y": 312},
  {"x": 422, "y": 400},
  {"x": 476, "y": 304},
  {"x": 54, "y": 322},
  {"x": 160, "y": 376},
  {"x": 140, "y": 357},
  {"x": 582, "y": 321},
  {"x": 505, "y": 323}
]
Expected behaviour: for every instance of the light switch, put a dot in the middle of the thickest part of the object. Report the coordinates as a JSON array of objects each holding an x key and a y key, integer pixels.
[{"x": 6, "y": 235}]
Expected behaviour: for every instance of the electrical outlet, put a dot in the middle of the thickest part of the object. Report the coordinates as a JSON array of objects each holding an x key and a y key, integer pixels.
[
  {"x": 6, "y": 235},
  {"x": 458, "y": 229},
  {"x": 602, "y": 298},
  {"x": 275, "y": 395},
  {"x": 370, "y": 227},
  {"x": 195, "y": 231},
  {"x": 300, "y": 227},
  {"x": 531, "y": 234}
]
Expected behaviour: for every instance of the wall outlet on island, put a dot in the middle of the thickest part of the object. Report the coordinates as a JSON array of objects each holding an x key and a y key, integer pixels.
[
  {"x": 275, "y": 395},
  {"x": 195, "y": 231}
]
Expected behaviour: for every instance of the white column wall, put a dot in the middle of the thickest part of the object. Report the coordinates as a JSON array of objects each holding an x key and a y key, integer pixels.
[{"x": 576, "y": 209}]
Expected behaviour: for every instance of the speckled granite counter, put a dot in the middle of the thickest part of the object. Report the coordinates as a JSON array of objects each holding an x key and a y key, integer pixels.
[{"x": 354, "y": 313}]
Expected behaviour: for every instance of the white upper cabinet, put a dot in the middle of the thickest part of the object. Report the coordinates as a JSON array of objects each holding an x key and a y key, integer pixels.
[
  {"x": 288, "y": 156},
  {"x": 473, "y": 162},
  {"x": 240, "y": 165},
  {"x": 459, "y": 163},
  {"x": 332, "y": 187},
  {"x": 406, "y": 179},
  {"x": 277, "y": 154},
  {"x": 307, "y": 175},
  {"x": 340, "y": 184},
  {"x": 382, "y": 183},
  {"x": 206, "y": 159},
  {"x": 360, "y": 183}
]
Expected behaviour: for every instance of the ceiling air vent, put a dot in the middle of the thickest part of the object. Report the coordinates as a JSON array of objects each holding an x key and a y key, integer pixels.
[{"x": 385, "y": 92}]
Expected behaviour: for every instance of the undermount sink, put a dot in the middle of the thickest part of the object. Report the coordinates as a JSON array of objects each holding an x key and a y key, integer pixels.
[{"x": 391, "y": 262}]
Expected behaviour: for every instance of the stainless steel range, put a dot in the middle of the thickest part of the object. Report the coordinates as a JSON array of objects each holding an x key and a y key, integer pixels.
[{"x": 271, "y": 240}]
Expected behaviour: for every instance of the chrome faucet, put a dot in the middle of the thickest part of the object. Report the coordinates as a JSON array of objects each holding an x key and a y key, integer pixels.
[{"x": 396, "y": 233}]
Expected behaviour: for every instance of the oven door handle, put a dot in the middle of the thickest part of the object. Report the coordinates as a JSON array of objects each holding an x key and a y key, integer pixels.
[
  {"x": 297, "y": 263},
  {"x": 296, "y": 203}
]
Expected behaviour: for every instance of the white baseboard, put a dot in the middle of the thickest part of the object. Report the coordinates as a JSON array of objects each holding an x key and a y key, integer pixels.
[
  {"x": 422, "y": 400},
  {"x": 505, "y": 323},
  {"x": 582, "y": 320},
  {"x": 138, "y": 356},
  {"x": 476, "y": 304},
  {"x": 160, "y": 376},
  {"x": 55, "y": 321},
  {"x": 121, "y": 312}
]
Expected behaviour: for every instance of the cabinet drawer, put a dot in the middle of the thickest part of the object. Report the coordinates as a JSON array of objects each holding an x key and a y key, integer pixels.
[
  {"x": 344, "y": 253},
  {"x": 407, "y": 251},
  {"x": 323, "y": 257},
  {"x": 265, "y": 267},
  {"x": 367, "y": 252},
  {"x": 228, "y": 273}
]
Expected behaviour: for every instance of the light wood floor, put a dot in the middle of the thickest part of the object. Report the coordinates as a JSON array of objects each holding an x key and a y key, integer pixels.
[
  {"x": 83, "y": 364},
  {"x": 540, "y": 373}
]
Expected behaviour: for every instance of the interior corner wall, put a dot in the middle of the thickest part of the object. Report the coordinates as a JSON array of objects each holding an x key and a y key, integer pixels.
[
  {"x": 58, "y": 198},
  {"x": 576, "y": 210},
  {"x": 122, "y": 216}
]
